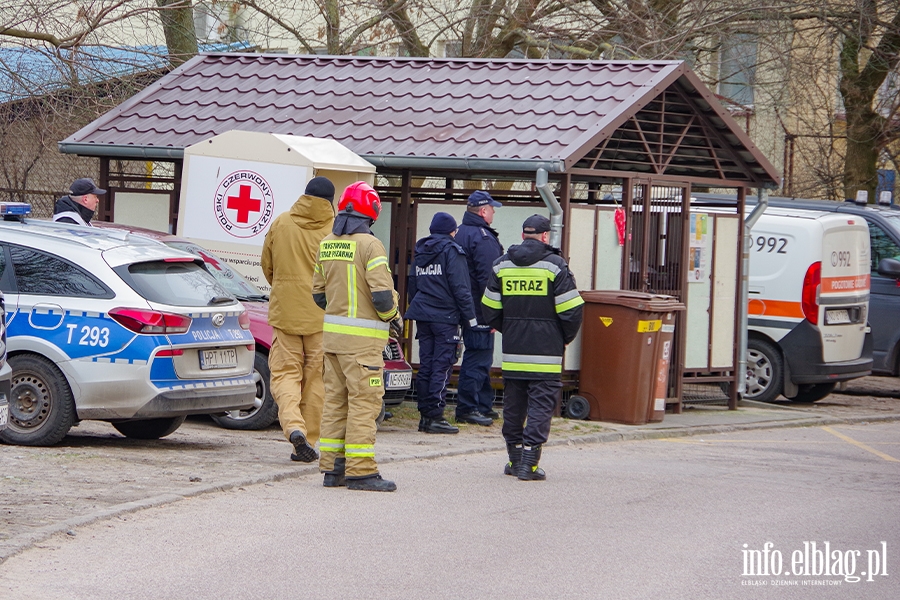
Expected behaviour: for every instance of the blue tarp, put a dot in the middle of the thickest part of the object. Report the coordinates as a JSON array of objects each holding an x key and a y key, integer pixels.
[{"x": 29, "y": 72}]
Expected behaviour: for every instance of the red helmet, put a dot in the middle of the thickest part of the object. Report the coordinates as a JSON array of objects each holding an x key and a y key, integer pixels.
[{"x": 359, "y": 197}]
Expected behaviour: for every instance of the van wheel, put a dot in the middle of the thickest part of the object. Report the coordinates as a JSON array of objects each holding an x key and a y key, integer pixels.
[
  {"x": 264, "y": 411},
  {"x": 813, "y": 392},
  {"x": 765, "y": 371},
  {"x": 41, "y": 406},
  {"x": 148, "y": 429}
]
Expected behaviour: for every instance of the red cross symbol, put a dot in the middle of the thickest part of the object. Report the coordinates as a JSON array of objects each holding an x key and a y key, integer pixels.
[
  {"x": 244, "y": 204},
  {"x": 209, "y": 259}
]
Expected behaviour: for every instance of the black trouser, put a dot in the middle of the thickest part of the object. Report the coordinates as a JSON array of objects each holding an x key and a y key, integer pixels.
[
  {"x": 531, "y": 399},
  {"x": 437, "y": 353}
]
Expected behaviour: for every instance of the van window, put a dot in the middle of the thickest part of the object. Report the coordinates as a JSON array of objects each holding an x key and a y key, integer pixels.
[
  {"x": 48, "y": 275},
  {"x": 882, "y": 246}
]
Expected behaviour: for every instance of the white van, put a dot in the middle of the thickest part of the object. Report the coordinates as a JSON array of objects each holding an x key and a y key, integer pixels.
[{"x": 808, "y": 304}]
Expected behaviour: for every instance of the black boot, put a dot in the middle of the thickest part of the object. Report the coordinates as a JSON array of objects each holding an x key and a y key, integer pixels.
[
  {"x": 528, "y": 468},
  {"x": 372, "y": 483},
  {"x": 515, "y": 457},
  {"x": 438, "y": 425},
  {"x": 335, "y": 477},
  {"x": 303, "y": 452}
]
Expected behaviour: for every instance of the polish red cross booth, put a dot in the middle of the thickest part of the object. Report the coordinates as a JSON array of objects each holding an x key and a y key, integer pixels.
[{"x": 236, "y": 183}]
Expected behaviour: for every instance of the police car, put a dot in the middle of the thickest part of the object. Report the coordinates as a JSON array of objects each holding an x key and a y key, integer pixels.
[
  {"x": 5, "y": 370},
  {"x": 110, "y": 326}
]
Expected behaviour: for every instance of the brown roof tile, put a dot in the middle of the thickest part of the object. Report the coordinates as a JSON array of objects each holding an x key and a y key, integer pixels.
[{"x": 466, "y": 108}]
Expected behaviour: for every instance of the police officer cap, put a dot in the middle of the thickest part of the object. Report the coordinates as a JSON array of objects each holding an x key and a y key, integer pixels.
[
  {"x": 442, "y": 223},
  {"x": 320, "y": 187},
  {"x": 536, "y": 224},
  {"x": 84, "y": 186},
  {"x": 480, "y": 198}
]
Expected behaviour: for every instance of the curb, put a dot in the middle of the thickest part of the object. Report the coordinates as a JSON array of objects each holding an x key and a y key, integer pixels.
[{"x": 24, "y": 541}]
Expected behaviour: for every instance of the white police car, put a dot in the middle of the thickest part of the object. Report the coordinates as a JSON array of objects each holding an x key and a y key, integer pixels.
[
  {"x": 109, "y": 326},
  {"x": 5, "y": 370}
]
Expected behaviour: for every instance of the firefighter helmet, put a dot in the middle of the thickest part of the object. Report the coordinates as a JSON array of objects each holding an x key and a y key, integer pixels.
[{"x": 360, "y": 198}]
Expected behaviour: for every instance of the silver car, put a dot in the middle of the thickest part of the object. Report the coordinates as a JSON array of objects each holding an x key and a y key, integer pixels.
[{"x": 110, "y": 326}]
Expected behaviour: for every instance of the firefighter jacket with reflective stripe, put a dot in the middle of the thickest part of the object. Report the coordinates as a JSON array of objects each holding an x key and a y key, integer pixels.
[
  {"x": 532, "y": 299},
  {"x": 350, "y": 270}
]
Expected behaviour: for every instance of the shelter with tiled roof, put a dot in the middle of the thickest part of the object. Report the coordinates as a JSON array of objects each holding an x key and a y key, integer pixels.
[{"x": 639, "y": 133}]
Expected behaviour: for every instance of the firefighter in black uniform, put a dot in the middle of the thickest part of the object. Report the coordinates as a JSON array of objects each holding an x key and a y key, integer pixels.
[{"x": 532, "y": 299}]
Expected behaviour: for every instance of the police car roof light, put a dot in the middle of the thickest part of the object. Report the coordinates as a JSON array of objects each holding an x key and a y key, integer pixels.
[
  {"x": 150, "y": 322},
  {"x": 12, "y": 211}
]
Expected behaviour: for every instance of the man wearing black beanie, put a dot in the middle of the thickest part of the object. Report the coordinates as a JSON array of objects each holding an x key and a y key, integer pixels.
[
  {"x": 440, "y": 300},
  {"x": 296, "y": 359}
]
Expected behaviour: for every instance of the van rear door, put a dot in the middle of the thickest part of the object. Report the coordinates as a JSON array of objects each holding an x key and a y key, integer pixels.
[{"x": 843, "y": 290}]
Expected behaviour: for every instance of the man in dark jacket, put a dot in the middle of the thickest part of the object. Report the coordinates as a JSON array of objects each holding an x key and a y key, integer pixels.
[
  {"x": 440, "y": 300},
  {"x": 533, "y": 301},
  {"x": 79, "y": 206},
  {"x": 482, "y": 246}
]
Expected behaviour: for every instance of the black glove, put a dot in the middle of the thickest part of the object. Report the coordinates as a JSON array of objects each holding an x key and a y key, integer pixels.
[{"x": 396, "y": 326}]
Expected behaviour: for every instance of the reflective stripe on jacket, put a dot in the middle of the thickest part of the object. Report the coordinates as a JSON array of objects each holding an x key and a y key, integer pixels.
[
  {"x": 533, "y": 301},
  {"x": 349, "y": 269}
]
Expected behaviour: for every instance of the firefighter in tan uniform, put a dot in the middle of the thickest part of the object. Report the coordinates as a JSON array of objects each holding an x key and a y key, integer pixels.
[
  {"x": 296, "y": 358},
  {"x": 353, "y": 284}
]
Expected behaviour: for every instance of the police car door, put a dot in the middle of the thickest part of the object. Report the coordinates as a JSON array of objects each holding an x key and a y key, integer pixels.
[
  {"x": 10, "y": 297},
  {"x": 884, "y": 305},
  {"x": 61, "y": 310}
]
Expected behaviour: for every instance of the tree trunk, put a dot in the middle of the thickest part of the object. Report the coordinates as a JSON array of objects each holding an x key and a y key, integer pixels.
[
  {"x": 863, "y": 133},
  {"x": 177, "y": 18}
]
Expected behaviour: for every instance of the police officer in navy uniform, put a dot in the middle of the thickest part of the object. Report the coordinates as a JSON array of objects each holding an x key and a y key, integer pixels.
[
  {"x": 482, "y": 246},
  {"x": 79, "y": 206},
  {"x": 440, "y": 300},
  {"x": 533, "y": 301}
]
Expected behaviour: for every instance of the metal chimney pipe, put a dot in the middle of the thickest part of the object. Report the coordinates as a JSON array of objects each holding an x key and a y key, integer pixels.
[{"x": 542, "y": 183}]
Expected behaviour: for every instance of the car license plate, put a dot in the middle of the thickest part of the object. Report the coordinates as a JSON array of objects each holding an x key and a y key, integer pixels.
[
  {"x": 220, "y": 358},
  {"x": 837, "y": 317},
  {"x": 399, "y": 379},
  {"x": 4, "y": 413}
]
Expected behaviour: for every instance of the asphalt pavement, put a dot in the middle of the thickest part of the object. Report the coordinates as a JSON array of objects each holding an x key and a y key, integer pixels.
[{"x": 738, "y": 511}]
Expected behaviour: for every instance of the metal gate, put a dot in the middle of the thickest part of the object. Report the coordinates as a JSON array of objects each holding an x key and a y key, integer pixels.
[{"x": 656, "y": 254}]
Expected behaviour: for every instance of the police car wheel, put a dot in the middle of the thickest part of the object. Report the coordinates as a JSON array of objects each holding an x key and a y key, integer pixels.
[
  {"x": 148, "y": 429},
  {"x": 765, "y": 371},
  {"x": 41, "y": 407},
  {"x": 264, "y": 411},
  {"x": 577, "y": 407}
]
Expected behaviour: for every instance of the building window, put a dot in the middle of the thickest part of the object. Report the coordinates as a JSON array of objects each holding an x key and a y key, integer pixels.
[
  {"x": 452, "y": 49},
  {"x": 217, "y": 22},
  {"x": 737, "y": 67}
]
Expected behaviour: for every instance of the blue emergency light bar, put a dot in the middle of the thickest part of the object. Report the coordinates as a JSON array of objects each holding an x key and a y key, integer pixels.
[{"x": 15, "y": 209}]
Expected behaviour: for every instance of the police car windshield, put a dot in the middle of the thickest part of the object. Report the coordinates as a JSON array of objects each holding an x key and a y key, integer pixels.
[
  {"x": 230, "y": 279},
  {"x": 173, "y": 283}
]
